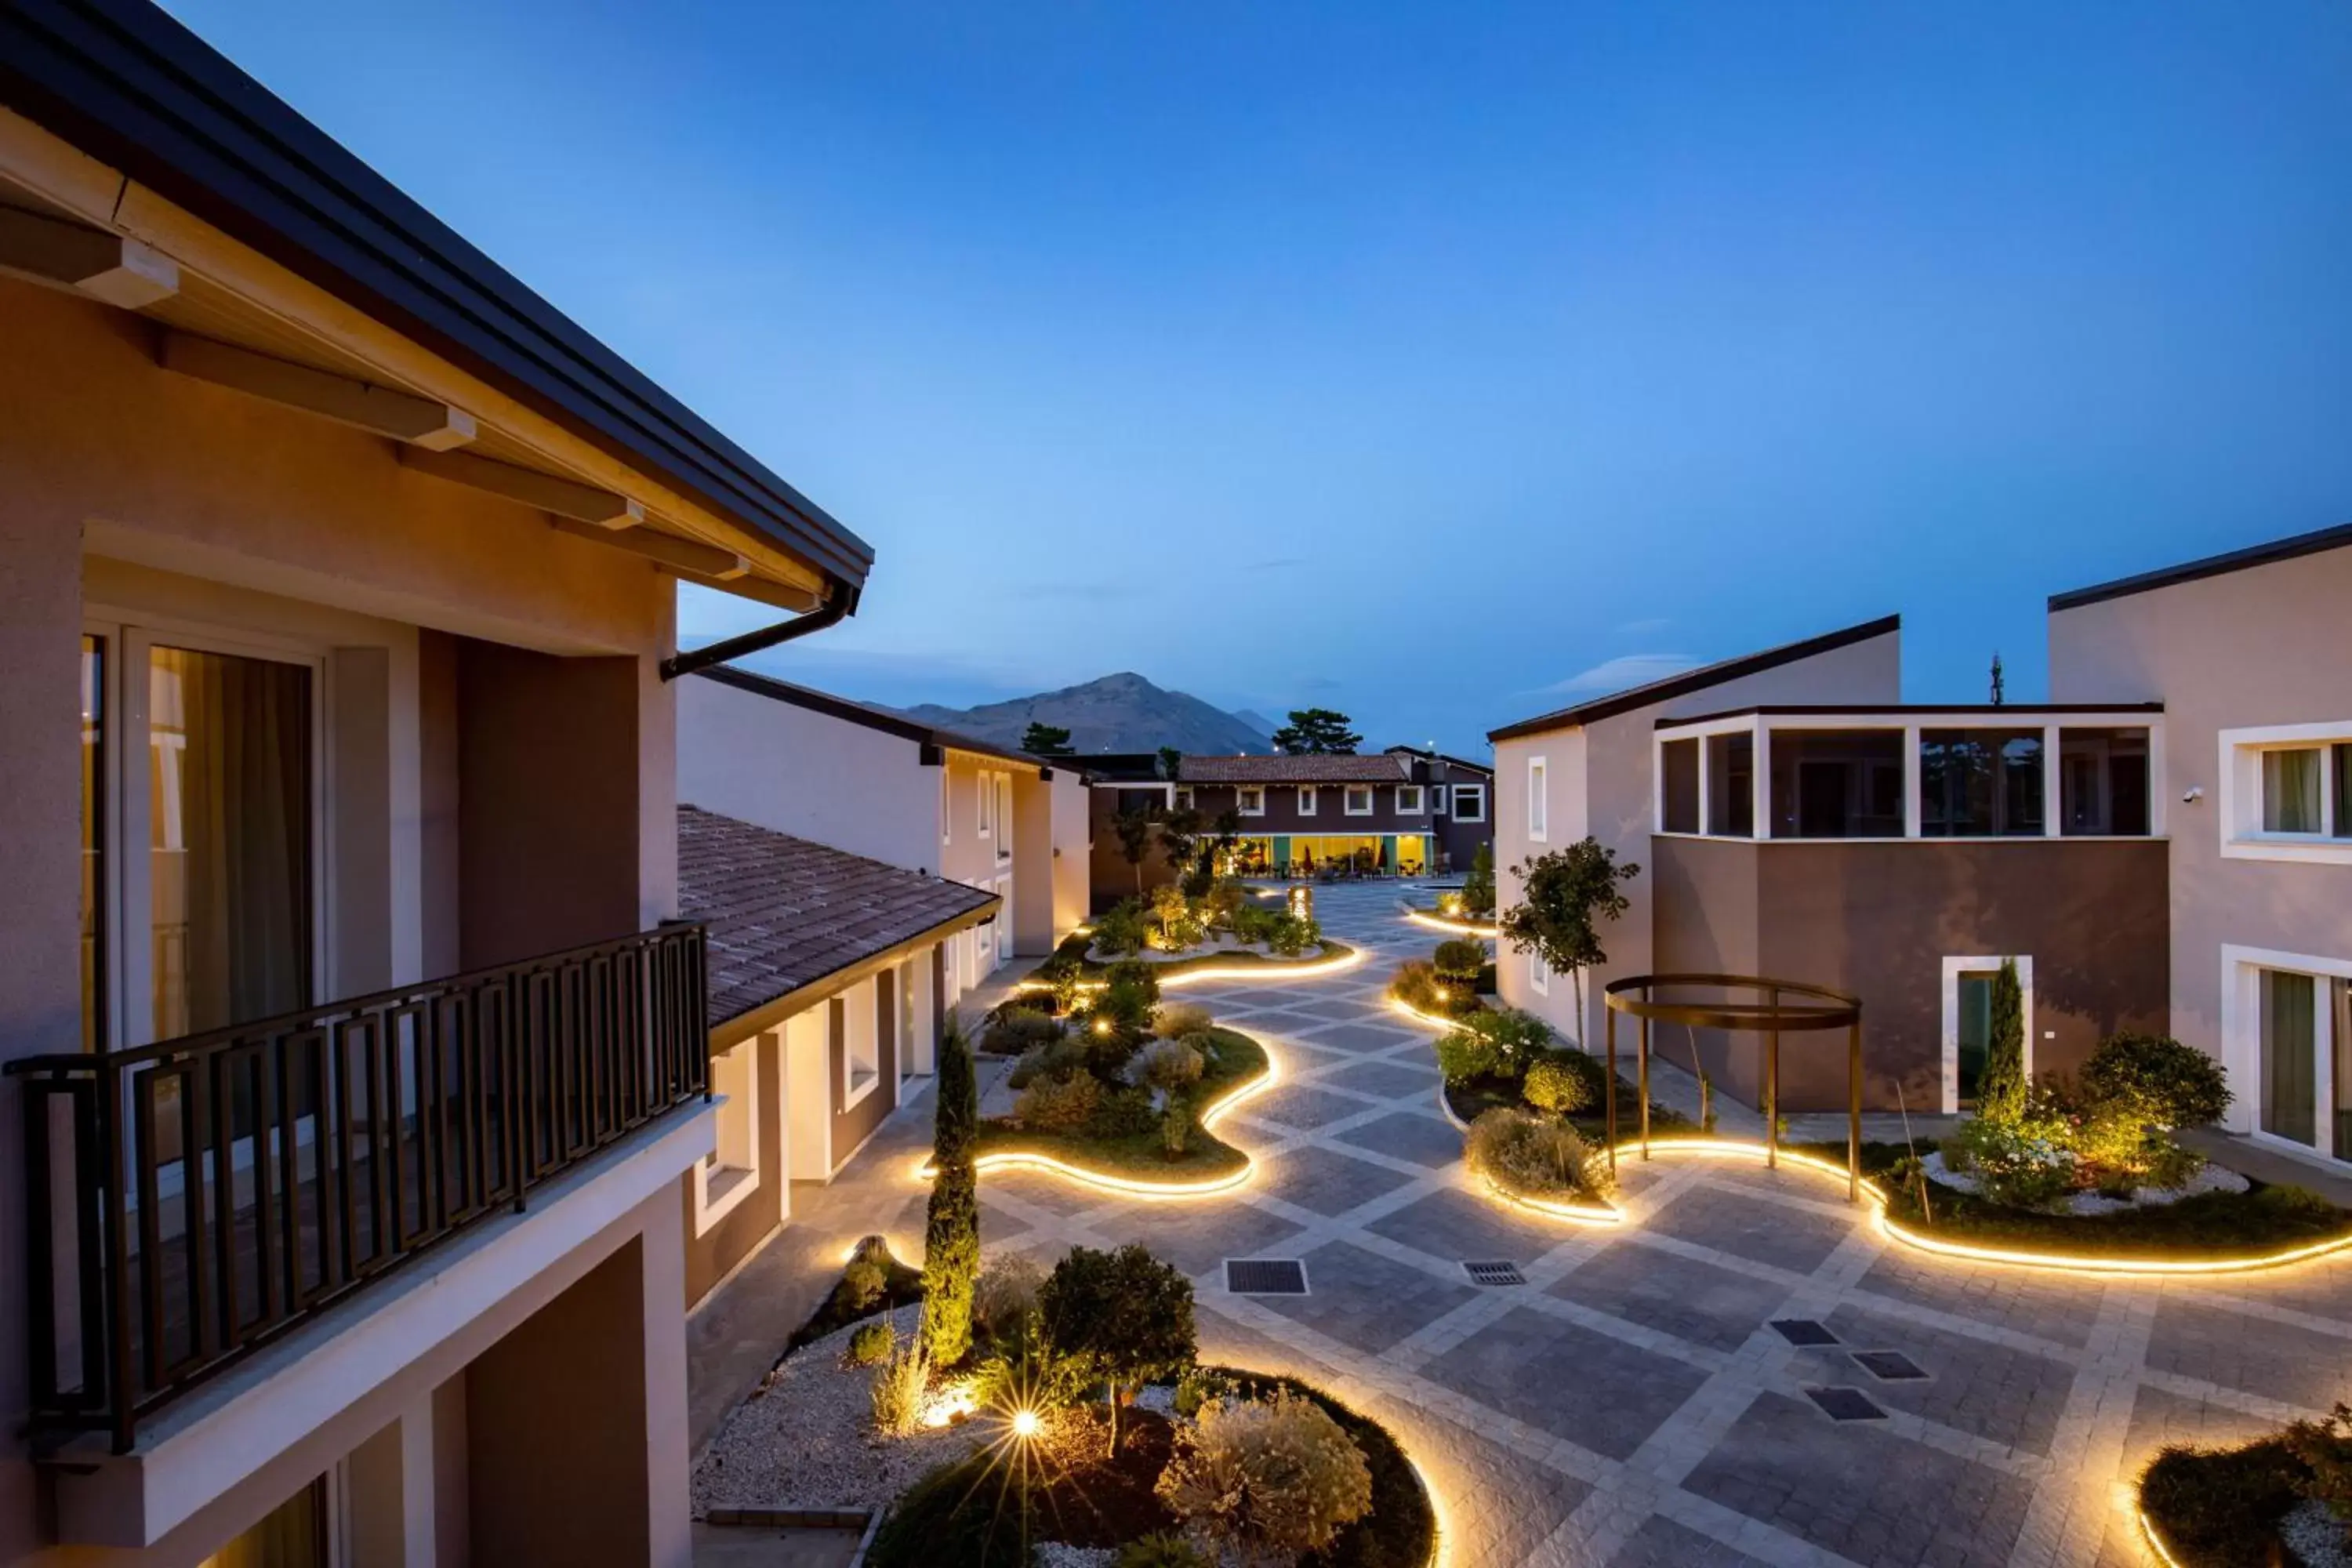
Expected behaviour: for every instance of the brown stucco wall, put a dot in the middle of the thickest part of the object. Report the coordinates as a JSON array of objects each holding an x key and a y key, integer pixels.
[
  {"x": 709, "y": 1257},
  {"x": 855, "y": 1125},
  {"x": 1878, "y": 919}
]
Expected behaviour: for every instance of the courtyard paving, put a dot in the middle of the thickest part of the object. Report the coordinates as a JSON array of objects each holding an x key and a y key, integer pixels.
[{"x": 1633, "y": 1403}]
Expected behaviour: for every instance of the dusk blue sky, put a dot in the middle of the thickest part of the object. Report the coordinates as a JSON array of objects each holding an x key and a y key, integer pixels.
[{"x": 1439, "y": 364}]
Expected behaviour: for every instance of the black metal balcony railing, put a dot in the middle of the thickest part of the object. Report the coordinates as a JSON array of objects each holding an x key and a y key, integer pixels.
[{"x": 190, "y": 1201}]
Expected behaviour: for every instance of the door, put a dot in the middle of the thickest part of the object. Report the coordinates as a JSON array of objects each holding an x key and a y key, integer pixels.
[
  {"x": 1976, "y": 1029},
  {"x": 2290, "y": 1056}
]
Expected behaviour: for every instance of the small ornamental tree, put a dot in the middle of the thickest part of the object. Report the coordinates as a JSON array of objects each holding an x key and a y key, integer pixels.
[
  {"x": 1317, "y": 731},
  {"x": 1478, "y": 883},
  {"x": 1133, "y": 828},
  {"x": 1170, "y": 759},
  {"x": 951, "y": 1224},
  {"x": 1562, "y": 897},
  {"x": 2000, "y": 1088},
  {"x": 1127, "y": 1312},
  {"x": 1047, "y": 741}
]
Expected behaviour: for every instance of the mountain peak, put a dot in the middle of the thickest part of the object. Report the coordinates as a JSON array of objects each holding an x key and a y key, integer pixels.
[{"x": 1123, "y": 712}]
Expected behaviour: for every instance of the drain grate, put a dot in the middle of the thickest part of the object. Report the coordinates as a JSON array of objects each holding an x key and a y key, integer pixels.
[
  {"x": 1265, "y": 1277},
  {"x": 1889, "y": 1366},
  {"x": 1804, "y": 1331},
  {"x": 1845, "y": 1404},
  {"x": 1495, "y": 1273}
]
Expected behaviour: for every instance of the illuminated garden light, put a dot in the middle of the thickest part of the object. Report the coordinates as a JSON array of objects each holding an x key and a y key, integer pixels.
[
  {"x": 1024, "y": 1424},
  {"x": 1102, "y": 1027}
]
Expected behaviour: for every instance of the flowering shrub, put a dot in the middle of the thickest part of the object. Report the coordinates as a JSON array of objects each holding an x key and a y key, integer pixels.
[
  {"x": 1267, "y": 1478},
  {"x": 1536, "y": 1156},
  {"x": 1170, "y": 1065},
  {"x": 1498, "y": 1044},
  {"x": 2026, "y": 1164},
  {"x": 1556, "y": 1085},
  {"x": 1058, "y": 1104},
  {"x": 1181, "y": 1018}
]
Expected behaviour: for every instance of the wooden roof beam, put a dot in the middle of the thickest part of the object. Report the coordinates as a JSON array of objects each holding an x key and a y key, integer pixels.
[
  {"x": 548, "y": 493},
  {"x": 107, "y": 267},
  {"x": 403, "y": 415}
]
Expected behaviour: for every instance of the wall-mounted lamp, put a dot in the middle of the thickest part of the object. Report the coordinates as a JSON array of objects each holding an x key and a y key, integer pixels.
[{"x": 2192, "y": 795}]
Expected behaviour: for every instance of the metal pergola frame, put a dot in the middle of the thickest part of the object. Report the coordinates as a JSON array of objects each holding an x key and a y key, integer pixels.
[{"x": 1782, "y": 1006}]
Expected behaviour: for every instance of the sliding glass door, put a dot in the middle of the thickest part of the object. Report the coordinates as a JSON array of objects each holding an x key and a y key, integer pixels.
[{"x": 2290, "y": 1080}]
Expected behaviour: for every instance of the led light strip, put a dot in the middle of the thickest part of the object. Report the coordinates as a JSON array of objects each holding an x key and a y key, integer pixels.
[
  {"x": 2155, "y": 1541},
  {"x": 1432, "y": 1020},
  {"x": 1582, "y": 1213},
  {"x": 1276, "y": 969},
  {"x": 1439, "y": 922}
]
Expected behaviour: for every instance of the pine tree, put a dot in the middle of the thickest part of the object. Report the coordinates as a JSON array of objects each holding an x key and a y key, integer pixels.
[
  {"x": 951, "y": 1224},
  {"x": 2001, "y": 1088}
]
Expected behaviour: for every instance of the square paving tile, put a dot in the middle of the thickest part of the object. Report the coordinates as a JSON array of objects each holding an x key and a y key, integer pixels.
[
  {"x": 2281, "y": 1361},
  {"x": 1324, "y": 1180},
  {"x": 1452, "y": 1225},
  {"x": 1599, "y": 1393},
  {"x": 1861, "y": 1491},
  {"x": 1663, "y": 1543},
  {"x": 1052, "y": 1194},
  {"x": 1363, "y": 1037},
  {"x": 1389, "y": 1079},
  {"x": 1366, "y": 1301},
  {"x": 1197, "y": 1238},
  {"x": 1679, "y": 1296},
  {"x": 2061, "y": 1311},
  {"x": 2160, "y": 1418},
  {"x": 2010, "y": 1396},
  {"x": 1428, "y": 1141},
  {"x": 1754, "y": 1229},
  {"x": 1502, "y": 1506},
  {"x": 1302, "y": 1105}
]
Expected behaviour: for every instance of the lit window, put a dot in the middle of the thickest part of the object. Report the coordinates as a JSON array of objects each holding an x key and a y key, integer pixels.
[
  {"x": 1538, "y": 974},
  {"x": 1306, "y": 800},
  {"x": 731, "y": 1172},
  {"x": 1538, "y": 804},
  {"x": 1469, "y": 803},
  {"x": 2287, "y": 793},
  {"x": 1252, "y": 800},
  {"x": 1409, "y": 799}
]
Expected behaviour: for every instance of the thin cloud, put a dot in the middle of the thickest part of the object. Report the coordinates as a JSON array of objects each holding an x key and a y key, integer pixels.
[{"x": 1627, "y": 670}]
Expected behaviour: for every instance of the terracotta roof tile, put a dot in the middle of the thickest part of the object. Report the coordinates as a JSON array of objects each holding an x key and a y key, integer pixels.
[{"x": 782, "y": 911}]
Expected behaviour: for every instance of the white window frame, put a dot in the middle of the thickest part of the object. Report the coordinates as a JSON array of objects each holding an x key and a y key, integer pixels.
[
  {"x": 1348, "y": 805},
  {"x": 861, "y": 1048},
  {"x": 1538, "y": 800},
  {"x": 1538, "y": 974},
  {"x": 1001, "y": 786},
  {"x": 1243, "y": 794},
  {"x": 1409, "y": 799},
  {"x": 1183, "y": 799},
  {"x": 2242, "y": 1045},
  {"x": 984, "y": 785},
  {"x": 1474, "y": 792},
  {"x": 1306, "y": 800},
  {"x": 730, "y": 1172},
  {"x": 2244, "y": 836},
  {"x": 1956, "y": 966}
]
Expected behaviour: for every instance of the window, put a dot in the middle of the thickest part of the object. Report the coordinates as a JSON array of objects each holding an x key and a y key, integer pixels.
[
  {"x": 1183, "y": 799},
  {"x": 1538, "y": 801},
  {"x": 2287, "y": 793},
  {"x": 852, "y": 1019},
  {"x": 1839, "y": 784},
  {"x": 1538, "y": 974},
  {"x": 1306, "y": 800},
  {"x": 984, "y": 792},
  {"x": 1002, "y": 783},
  {"x": 1980, "y": 784},
  {"x": 1437, "y": 800},
  {"x": 1469, "y": 803},
  {"x": 1357, "y": 800},
  {"x": 1968, "y": 982},
  {"x": 2286, "y": 1028},
  {"x": 1678, "y": 786},
  {"x": 1409, "y": 800},
  {"x": 2102, "y": 783},
  {"x": 731, "y": 1172},
  {"x": 1732, "y": 786}
]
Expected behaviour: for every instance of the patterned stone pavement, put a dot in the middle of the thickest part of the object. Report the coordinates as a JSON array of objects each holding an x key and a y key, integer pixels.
[{"x": 1631, "y": 1404}]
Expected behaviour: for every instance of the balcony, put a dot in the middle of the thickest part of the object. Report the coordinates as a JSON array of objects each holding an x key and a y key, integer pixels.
[{"x": 192, "y": 1201}]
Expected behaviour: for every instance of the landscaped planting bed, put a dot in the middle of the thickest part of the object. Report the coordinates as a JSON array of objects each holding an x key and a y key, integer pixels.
[
  {"x": 2285, "y": 1500},
  {"x": 1116, "y": 1138}
]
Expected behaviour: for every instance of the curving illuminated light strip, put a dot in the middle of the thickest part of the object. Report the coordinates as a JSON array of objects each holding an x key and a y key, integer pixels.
[
  {"x": 1276, "y": 969},
  {"x": 1581, "y": 1214},
  {"x": 1439, "y": 922},
  {"x": 2155, "y": 1539},
  {"x": 1398, "y": 1003},
  {"x": 1130, "y": 1186},
  {"x": 1440, "y": 1539}
]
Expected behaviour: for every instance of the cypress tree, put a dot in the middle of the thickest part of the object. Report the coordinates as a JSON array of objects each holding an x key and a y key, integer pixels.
[
  {"x": 951, "y": 1223},
  {"x": 2001, "y": 1091}
]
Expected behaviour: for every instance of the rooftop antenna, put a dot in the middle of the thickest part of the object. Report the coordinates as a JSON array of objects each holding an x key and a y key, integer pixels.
[{"x": 2000, "y": 696}]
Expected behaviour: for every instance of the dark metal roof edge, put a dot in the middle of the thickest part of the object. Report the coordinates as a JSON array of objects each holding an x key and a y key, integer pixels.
[
  {"x": 1698, "y": 680},
  {"x": 1446, "y": 757},
  {"x": 132, "y": 86},
  {"x": 2336, "y": 538},
  {"x": 852, "y": 712},
  {"x": 1800, "y": 710}
]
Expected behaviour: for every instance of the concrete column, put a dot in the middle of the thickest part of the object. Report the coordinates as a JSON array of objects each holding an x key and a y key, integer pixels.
[
  {"x": 391, "y": 1482},
  {"x": 1911, "y": 809}
]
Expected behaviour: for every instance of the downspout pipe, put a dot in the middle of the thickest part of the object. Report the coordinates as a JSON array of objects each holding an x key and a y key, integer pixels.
[{"x": 839, "y": 603}]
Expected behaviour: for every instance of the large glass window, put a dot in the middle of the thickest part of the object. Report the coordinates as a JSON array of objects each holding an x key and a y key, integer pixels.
[
  {"x": 1837, "y": 784},
  {"x": 2102, "y": 781},
  {"x": 2290, "y": 1077},
  {"x": 1980, "y": 784},
  {"x": 2291, "y": 782},
  {"x": 93, "y": 844},
  {"x": 1732, "y": 786},
  {"x": 1678, "y": 786},
  {"x": 229, "y": 867}
]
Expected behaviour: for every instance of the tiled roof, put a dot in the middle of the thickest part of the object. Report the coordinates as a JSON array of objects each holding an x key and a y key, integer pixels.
[
  {"x": 783, "y": 912},
  {"x": 1312, "y": 768}
]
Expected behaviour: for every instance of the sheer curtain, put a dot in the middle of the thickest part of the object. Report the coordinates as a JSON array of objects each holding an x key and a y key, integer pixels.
[
  {"x": 2290, "y": 1056},
  {"x": 230, "y": 752},
  {"x": 2291, "y": 791}
]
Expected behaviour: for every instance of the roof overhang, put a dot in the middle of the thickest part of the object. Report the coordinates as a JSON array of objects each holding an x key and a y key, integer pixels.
[{"x": 732, "y": 1032}]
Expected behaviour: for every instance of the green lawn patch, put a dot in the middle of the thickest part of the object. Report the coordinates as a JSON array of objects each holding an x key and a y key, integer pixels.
[{"x": 1141, "y": 1153}]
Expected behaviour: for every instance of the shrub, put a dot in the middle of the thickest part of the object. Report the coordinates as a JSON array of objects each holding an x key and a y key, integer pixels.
[
  {"x": 1415, "y": 984},
  {"x": 952, "y": 1218},
  {"x": 2022, "y": 1164},
  {"x": 1121, "y": 930},
  {"x": 1225, "y": 898},
  {"x": 862, "y": 1281},
  {"x": 1030, "y": 1373},
  {"x": 1128, "y": 1313},
  {"x": 2180, "y": 1084},
  {"x": 1051, "y": 1060},
  {"x": 1005, "y": 1300},
  {"x": 1160, "y": 1551},
  {"x": 1552, "y": 1085},
  {"x": 1171, "y": 1066},
  {"x": 1478, "y": 883},
  {"x": 1198, "y": 1388},
  {"x": 1182, "y": 1018},
  {"x": 2001, "y": 1087},
  {"x": 2325, "y": 1447},
  {"x": 871, "y": 1343},
  {"x": 1058, "y": 1104},
  {"x": 1124, "y": 1113},
  {"x": 1267, "y": 1478},
  {"x": 1294, "y": 934},
  {"x": 1018, "y": 1030},
  {"x": 1459, "y": 962},
  {"x": 1493, "y": 1043},
  {"x": 1536, "y": 1156},
  {"x": 1252, "y": 924},
  {"x": 895, "y": 1394},
  {"x": 2222, "y": 1506}
]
